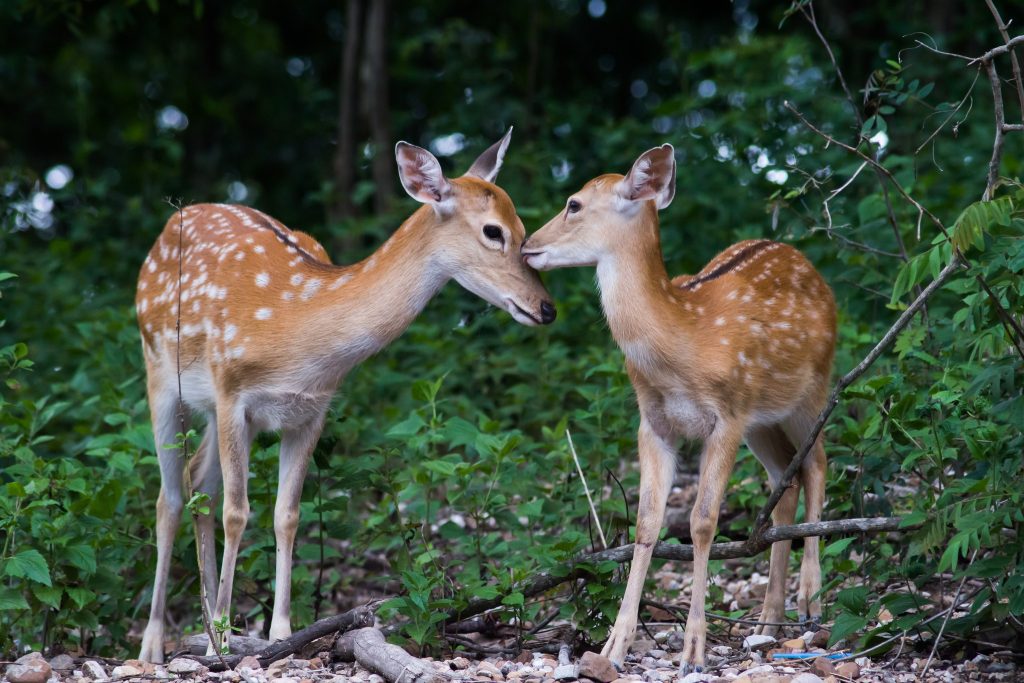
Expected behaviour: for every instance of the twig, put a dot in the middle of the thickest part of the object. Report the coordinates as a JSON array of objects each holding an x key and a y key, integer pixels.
[
  {"x": 586, "y": 489},
  {"x": 761, "y": 521},
  {"x": 1013, "y": 330},
  {"x": 997, "y": 144},
  {"x": 1014, "y": 63},
  {"x": 956, "y": 598}
]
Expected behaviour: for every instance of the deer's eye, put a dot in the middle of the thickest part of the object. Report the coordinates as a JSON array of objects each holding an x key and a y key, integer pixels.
[
  {"x": 574, "y": 206},
  {"x": 493, "y": 232}
]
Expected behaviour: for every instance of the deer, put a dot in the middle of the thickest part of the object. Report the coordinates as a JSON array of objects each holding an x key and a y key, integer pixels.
[
  {"x": 249, "y": 323},
  {"x": 741, "y": 351}
]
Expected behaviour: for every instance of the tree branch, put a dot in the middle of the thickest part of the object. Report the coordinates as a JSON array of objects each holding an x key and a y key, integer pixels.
[
  {"x": 1014, "y": 63},
  {"x": 579, "y": 567}
]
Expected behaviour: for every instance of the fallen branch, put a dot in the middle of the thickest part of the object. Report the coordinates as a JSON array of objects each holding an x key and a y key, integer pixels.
[
  {"x": 581, "y": 566},
  {"x": 339, "y": 623},
  {"x": 368, "y": 647}
]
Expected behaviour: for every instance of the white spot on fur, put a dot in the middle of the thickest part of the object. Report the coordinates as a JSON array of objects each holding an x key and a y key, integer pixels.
[
  {"x": 310, "y": 289},
  {"x": 719, "y": 321},
  {"x": 263, "y": 313},
  {"x": 297, "y": 279},
  {"x": 340, "y": 281},
  {"x": 724, "y": 341},
  {"x": 259, "y": 249},
  {"x": 287, "y": 296},
  {"x": 263, "y": 279},
  {"x": 230, "y": 331}
]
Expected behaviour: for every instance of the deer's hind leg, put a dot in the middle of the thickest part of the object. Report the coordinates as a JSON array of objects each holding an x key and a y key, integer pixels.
[{"x": 773, "y": 449}]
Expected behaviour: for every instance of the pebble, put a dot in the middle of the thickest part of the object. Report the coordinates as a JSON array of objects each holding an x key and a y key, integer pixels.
[
  {"x": 806, "y": 677},
  {"x": 696, "y": 677},
  {"x": 126, "y": 671},
  {"x": 593, "y": 665},
  {"x": 94, "y": 670},
  {"x": 757, "y": 642},
  {"x": 62, "y": 663},
  {"x": 31, "y": 668},
  {"x": 567, "y": 672},
  {"x": 249, "y": 662},
  {"x": 183, "y": 665},
  {"x": 459, "y": 663}
]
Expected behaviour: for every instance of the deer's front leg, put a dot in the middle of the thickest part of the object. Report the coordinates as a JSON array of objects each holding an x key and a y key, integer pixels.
[
  {"x": 296, "y": 447},
  {"x": 235, "y": 439},
  {"x": 716, "y": 465},
  {"x": 657, "y": 466}
]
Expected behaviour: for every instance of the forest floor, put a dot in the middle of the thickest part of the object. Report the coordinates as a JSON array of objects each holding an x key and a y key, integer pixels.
[{"x": 654, "y": 655}]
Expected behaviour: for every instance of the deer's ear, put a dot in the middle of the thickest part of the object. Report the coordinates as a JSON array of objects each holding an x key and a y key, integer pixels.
[
  {"x": 653, "y": 176},
  {"x": 421, "y": 175},
  {"x": 488, "y": 164}
]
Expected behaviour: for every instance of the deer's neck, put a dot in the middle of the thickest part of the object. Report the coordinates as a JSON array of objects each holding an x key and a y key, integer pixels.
[
  {"x": 642, "y": 307},
  {"x": 361, "y": 308}
]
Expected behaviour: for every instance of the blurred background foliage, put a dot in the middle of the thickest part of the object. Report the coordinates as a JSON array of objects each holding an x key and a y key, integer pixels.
[{"x": 443, "y": 473}]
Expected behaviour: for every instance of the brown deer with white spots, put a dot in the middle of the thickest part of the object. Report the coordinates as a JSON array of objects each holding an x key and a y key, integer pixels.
[
  {"x": 742, "y": 351},
  {"x": 269, "y": 327}
]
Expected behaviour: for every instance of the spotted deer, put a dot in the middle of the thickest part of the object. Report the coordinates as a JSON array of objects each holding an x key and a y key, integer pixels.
[
  {"x": 742, "y": 351},
  {"x": 269, "y": 327}
]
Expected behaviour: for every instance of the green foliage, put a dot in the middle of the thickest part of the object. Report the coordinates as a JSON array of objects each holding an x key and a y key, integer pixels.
[{"x": 443, "y": 475}]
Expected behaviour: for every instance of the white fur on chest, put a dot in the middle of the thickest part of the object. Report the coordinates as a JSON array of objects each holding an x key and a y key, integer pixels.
[{"x": 687, "y": 416}]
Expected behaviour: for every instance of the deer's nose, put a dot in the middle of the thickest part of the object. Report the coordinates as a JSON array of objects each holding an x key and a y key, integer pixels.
[{"x": 547, "y": 312}]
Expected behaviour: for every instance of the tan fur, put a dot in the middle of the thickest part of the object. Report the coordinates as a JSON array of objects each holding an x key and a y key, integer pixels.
[
  {"x": 740, "y": 351},
  {"x": 268, "y": 329}
]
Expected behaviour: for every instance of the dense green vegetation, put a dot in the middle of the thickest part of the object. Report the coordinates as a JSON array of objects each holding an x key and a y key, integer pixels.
[{"x": 445, "y": 454}]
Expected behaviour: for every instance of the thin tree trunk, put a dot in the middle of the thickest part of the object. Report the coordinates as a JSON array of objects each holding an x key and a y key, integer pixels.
[
  {"x": 377, "y": 110},
  {"x": 344, "y": 158}
]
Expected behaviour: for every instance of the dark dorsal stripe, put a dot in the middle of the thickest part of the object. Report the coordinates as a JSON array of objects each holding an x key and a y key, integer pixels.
[
  {"x": 721, "y": 270},
  {"x": 306, "y": 256}
]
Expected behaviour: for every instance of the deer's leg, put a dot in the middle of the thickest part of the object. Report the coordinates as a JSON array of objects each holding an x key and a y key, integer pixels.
[
  {"x": 163, "y": 407},
  {"x": 204, "y": 469},
  {"x": 657, "y": 466},
  {"x": 812, "y": 474},
  {"x": 296, "y": 447},
  {"x": 717, "y": 462},
  {"x": 808, "y": 600},
  {"x": 235, "y": 439},
  {"x": 773, "y": 449}
]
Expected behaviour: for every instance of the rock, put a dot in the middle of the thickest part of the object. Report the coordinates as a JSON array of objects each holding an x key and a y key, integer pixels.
[
  {"x": 823, "y": 667},
  {"x": 276, "y": 668},
  {"x": 126, "y": 671},
  {"x": 848, "y": 669},
  {"x": 657, "y": 654},
  {"x": 31, "y": 668},
  {"x": 806, "y": 677},
  {"x": 758, "y": 642},
  {"x": 487, "y": 669},
  {"x": 567, "y": 672},
  {"x": 721, "y": 650},
  {"x": 820, "y": 638},
  {"x": 250, "y": 662},
  {"x": 695, "y": 678},
  {"x": 62, "y": 663},
  {"x": 759, "y": 670},
  {"x": 374, "y": 678},
  {"x": 316, "y": 663},
  {"x": 94, "y": 670},
  {"x": 459, "y": 663},
  {"x": 183, "y": 665},
  {"x": 863, "y": 662},
  {"x": 593, "y": 665},
  {"x": 795, "y": 645}
]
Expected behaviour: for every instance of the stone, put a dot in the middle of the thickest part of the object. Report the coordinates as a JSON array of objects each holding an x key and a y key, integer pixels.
[
  {"x": 820, "y": 638},
  {"x": 759, "y": 670},
  {"x": 31, "y": 668},
  {"x": 822, "y": 666},
  {"x": 848, "y": 669},
  {"x": 183, "y": 665},
  {"x": 758, "y": 641},
  {"x": 806, "y": 677},
  {"x": 657, "y": 654},
  {"x": 126, "y": 671},
  {"x": 459, "y": 663},
  {"x": 593, "y": 665},
  {"x": 94, "y": 670},
  {"x": 62, "y": 663},
  {"x": 316, "y": 663},
  {"x": 276, "y": 668},
  {"x": 795, "y": 645},
  {"x": 374, "y": 678},
  {"x": 250, "y": 662},
  {"x": 695, "y": 677},
  {"x": 567, "y": 672},
  {"x": 721, "y": 650}
]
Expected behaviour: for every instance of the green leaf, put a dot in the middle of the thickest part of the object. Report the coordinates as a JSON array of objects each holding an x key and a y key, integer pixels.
[
  {"x": 28, "y": 564},
  {"x": 11, "y": 599},
  {"x": 844, "y": 625},
  {"x": 81, "y": 596},
  {"x": 81, "y": 556},
  {"x": 979, "y": 218},
  {"x": 48, "y": 595},
  {"x": 837, "y": 547},
  {"x": 513, "y": 599}
]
